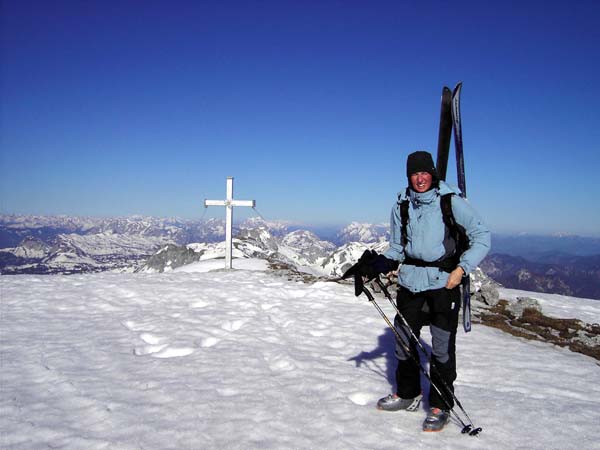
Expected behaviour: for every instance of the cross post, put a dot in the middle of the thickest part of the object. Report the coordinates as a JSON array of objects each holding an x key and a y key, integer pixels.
[{"x": 229, "y": 203}]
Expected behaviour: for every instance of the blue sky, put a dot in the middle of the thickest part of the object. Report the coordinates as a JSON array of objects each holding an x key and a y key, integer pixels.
[{"x": 112, "y": 108}]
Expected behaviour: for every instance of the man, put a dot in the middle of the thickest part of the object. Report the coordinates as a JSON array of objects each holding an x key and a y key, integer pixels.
[{"x": 429, "y": 276}]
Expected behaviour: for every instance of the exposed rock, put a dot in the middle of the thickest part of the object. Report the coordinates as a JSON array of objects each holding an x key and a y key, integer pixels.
[
  {"x": 170, "y": 257},
  {"x": 483, "y": 288},
  {"x": 488, "y": 294},
  {"x": 516, "y": 308},
  {"x": 31, "y": 247},
  {"x": 533, "y": 324}
]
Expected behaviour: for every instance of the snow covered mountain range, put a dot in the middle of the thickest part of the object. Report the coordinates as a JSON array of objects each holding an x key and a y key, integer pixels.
[
  {"x": 43, "y": 245},
  {"x": 61, "y": 244},
  {"x": 577, "y": 276}
]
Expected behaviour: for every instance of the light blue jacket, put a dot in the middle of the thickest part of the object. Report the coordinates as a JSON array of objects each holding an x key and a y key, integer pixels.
[{"x": 426, "y": 232}]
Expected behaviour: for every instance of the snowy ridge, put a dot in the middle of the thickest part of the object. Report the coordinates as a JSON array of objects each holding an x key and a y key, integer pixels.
[
  {"x": 83, "y": 225},
  {"x": 345, "y": 256},
  {"x": 178, "y": 230},
  {"x": 156, "y": 361},
  {"x": 31, "y": 248},
  {"x": 63, "y": 244},
  {"x": 73, "y": 253},
  {"x": 300, "y": 249},
  {"x": 306, "y": 247},
  {"x": 275, "y": 227},
  {"x": 363, "y": 232}
]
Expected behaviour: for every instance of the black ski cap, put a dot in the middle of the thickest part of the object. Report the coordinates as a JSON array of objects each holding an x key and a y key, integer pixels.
[{"x": 420, "y": 161}]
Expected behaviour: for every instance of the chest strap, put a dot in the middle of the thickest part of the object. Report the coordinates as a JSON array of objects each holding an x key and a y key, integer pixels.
[{"x": 445, "y": 265}]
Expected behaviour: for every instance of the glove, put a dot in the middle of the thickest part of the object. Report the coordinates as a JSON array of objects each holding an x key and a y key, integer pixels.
[
  {"x": 369, "y": 265},
  {"x": 383, "y": 264}
]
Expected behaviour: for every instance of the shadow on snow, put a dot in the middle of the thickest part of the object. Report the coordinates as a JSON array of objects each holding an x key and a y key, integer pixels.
[{"x": 386, "y": 350}]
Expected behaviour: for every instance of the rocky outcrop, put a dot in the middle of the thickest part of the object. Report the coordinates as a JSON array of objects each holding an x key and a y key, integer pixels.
[
  {"x": 517, "y": 307},
  {"x": 531, "y": 323},
  {"x": 31, "y": 247},
  {"x": 297, "y": 249},
  {"x": 170, "y": 257}
]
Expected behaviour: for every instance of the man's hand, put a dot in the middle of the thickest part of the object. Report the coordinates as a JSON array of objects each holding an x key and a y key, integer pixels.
[{"x": 455, "y": 278}]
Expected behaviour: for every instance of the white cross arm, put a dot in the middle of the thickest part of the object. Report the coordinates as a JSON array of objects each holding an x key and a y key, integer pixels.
[
  {"x": 215, "y": 203},
  {"x": 251, "y": 203}
]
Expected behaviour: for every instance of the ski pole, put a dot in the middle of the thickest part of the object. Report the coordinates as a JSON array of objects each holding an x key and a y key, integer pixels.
[
  {"x": 466, "y": 428},
  {"x": 471, "y": 429}
]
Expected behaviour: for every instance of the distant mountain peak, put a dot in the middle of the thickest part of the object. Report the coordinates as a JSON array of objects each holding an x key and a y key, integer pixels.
[{"x": 363, "y": 232}]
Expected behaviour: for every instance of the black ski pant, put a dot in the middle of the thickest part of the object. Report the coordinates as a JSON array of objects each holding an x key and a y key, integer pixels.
[{"x": 443, "y": 306}]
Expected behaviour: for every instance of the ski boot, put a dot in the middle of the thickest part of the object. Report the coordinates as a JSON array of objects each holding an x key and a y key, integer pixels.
[
  {"x": 394, "y": 403},
  {"x": 436, "y": 419}
]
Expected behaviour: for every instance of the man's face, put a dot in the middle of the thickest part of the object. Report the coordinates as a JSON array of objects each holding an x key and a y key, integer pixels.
[{"x": 421, "y": 181}]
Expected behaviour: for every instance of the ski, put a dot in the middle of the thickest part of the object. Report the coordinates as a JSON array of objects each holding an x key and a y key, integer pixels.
[
  {"x": 462, "y": 185},
  {"x": 445, "y": 133}
]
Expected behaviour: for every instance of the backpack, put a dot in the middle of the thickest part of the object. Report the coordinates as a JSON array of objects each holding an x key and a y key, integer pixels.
[{"x": 455, "y": 231}]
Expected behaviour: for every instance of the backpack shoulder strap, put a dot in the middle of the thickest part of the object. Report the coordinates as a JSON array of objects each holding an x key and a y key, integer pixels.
[
  {"x": 447, "y": 214},
  {"x": 457, "y": 232},
  {"x": 403, "y": 204}
]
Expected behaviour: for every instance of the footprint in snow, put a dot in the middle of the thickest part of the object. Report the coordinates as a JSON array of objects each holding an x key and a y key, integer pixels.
[
  {"x": 151, "y": 339},
  {"x": 280, "y": 363},
  {"x": 162, "y": 351},
  {"x": 360, "y": 398},
  {"x": 227, "y": 392},
  {"x": 280, "y": 320},
  {"x": 148, "y": 349},
  {"x": 158, "y": 349},
  {"x": 314, "y": 305},
  {"x": 318, "y": 333},
  {"x": 234, "y": 325},
  {"x": 173, "y": 352},
  {"x": 267, "y": 306},
  {"x": 209, "y": 342},
  {"x": 199, "y": 304},
  {"x": 131, "y": 325},
  {"x": 126, "y": 293}
]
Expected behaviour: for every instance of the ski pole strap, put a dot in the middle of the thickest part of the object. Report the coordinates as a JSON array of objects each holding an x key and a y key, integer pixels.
[
  {"x": 466, "y": 303},
  {"x": 446, "y": 265}
]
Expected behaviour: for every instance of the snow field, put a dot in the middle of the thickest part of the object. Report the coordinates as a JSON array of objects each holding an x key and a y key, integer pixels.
[{"x": 246, "y": 360}]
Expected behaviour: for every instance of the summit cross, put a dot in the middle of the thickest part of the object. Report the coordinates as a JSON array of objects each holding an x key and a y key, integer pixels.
[{"x": 229, "y": 203}]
